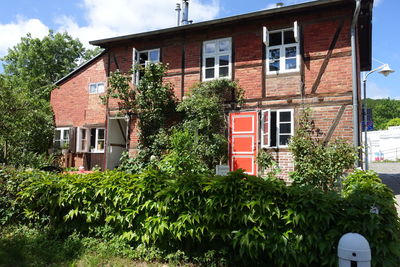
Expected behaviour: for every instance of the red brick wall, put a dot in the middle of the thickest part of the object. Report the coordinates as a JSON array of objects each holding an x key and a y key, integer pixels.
[{"x": 71, "y": 102}]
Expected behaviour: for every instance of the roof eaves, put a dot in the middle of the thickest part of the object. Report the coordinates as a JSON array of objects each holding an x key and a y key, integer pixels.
[
  {"x": 274, "y": 11},
  {"x": 80, "y": 67}
]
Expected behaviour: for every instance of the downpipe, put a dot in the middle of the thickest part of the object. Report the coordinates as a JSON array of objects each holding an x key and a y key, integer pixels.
[{"x": 356, "y": 126}]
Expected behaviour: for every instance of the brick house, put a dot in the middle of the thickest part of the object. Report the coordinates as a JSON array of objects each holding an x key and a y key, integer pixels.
[{"x": 285, "y": 58}]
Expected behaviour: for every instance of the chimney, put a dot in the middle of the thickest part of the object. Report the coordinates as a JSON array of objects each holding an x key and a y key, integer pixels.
[
  {"x": 178, "y": 11},
  {"x": 185, "y": 12},
  {"x": 279, "y": 4}
]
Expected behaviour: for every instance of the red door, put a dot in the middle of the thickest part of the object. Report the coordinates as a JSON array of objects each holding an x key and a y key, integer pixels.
[{"x": 243, "y": 141}]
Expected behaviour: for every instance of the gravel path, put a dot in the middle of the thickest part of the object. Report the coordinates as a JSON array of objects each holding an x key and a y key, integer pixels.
[{"x": 390, "y": 175}]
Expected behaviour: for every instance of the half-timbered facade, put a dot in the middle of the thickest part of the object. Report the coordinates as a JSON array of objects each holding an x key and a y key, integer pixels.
[{"x": 285, "y": 59}]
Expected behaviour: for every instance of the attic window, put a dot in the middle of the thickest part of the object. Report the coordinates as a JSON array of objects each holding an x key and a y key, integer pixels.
[
  {"x": 217, "y": 59},
  {"x": 143, "y": 58},
  {"x": 96, "y": 88},
  {"x": 282, "y": 51}
]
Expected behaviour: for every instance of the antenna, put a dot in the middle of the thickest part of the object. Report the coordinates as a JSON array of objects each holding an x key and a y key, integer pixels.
[
  {"x": 185, "y": 12},
  {"x": 178, "y": 10}
]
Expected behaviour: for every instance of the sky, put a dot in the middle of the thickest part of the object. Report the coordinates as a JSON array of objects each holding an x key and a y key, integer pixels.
[{"x": 97, "y": 19}]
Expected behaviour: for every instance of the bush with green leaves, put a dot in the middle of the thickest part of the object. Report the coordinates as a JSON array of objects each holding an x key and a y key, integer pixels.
[
  {"x": 317, "y": 162},
  {"x": 248, "y": 219}
]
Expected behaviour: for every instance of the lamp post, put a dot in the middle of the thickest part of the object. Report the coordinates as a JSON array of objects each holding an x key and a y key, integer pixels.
[{"x": 385, "y": 70}]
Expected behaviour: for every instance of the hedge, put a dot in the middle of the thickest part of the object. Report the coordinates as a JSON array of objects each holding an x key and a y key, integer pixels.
[{"x": 247, "y": 219}]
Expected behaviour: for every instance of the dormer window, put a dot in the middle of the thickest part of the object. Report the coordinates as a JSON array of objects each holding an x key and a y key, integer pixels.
[
  {"x": 217, "y": 59},
  {"x": 282, "y": 50}
]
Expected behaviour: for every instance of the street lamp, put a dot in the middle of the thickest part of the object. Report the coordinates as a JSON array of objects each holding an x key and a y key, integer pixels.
[{"x": 385, "y": 70}]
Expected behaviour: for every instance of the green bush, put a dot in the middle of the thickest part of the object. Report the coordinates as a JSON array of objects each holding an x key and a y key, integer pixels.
[{"x": 247, "y": 220}]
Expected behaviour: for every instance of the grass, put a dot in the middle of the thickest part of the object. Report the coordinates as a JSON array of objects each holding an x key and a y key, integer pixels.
[{"x": 28, "y": 246}]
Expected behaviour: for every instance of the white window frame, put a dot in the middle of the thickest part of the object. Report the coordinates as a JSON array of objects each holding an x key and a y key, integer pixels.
[
  {"x": 88, "y": 147},
  {"x": 282, "y": 47},
  {"x": 79, "y": 140},
  {"x": 278, "y": 111},
  {"x": 97, "y": 88},
  {"x": 216, "y": 56},
  {"x": 63, "y": 138},
  {"x": 136, "y": 61},
  {"x": 96, "y": 149}
]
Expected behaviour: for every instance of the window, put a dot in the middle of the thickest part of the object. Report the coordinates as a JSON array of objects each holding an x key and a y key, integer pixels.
[
  {"x": 217, "y": 59},
  {"x": 277, "y": 127},
  {"x": 143, "y": 58},
  {"x": 282, "y": 51},
  {"x": 96, "y": 88},
  {"x": 61, "y": 137},
  {"x": 91, "y": 140}
]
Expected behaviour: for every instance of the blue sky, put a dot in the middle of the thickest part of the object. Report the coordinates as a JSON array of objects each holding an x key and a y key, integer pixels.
[{"x": 96, "y": 19}]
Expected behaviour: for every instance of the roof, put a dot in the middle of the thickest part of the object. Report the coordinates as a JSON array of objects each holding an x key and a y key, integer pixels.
[{"x": 80, "y": 67}]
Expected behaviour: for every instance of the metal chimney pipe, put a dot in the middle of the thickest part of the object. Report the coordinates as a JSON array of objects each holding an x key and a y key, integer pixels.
[
  {"x": 185, "y": 12},
  {"x": 178, "y": 10}
]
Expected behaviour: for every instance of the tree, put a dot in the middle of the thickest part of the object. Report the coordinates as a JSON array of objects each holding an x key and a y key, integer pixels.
[
  {"x": 393, "y": 122},
  {"x": 383, "y": 110},
  {"x": 36, "y": 64},
  {"x": 30, "y": 70}
]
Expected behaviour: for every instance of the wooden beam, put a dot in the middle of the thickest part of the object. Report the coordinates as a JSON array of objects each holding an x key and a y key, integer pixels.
[
  {"x": 327, "y": 57},
  {"x": 335, "y": 124}
]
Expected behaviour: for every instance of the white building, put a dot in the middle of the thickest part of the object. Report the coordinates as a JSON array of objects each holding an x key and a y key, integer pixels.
[{"x": 384, "y": 144}]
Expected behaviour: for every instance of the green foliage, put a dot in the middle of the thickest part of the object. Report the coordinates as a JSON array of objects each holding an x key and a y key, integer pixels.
[
  {"x": 266, "y": 164},
  {"x": 246, "y": 219},
  {"x": 383, "y": 110},
  {"x": 203, "y": 118},
  {"x": 318, "y": 163},
  {"x": 30, "y": 70},
  {"x": 152, "y": 102},
  {"x": 393, "y": 122}
]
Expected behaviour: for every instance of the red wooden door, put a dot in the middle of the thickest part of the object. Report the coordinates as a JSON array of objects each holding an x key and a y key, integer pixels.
[{"x": 243, "y": 141}]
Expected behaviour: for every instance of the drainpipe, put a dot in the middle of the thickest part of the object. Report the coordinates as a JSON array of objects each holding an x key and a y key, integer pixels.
[{"x": 356, "y": 127}]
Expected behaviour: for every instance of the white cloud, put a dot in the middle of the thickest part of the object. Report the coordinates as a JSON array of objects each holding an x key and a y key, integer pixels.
[
  {"x": 119, "y": 17},
  {"x": 11, "y": 33},
  {"x": 375, "y": 91}
]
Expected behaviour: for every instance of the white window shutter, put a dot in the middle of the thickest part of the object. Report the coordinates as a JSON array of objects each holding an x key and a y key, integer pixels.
[
  {"x": 265, "y": 128},
  {"x": 296, "y": 31},
  {"x": 134, "y": 56},
  {"x": 265, "y": 36}
]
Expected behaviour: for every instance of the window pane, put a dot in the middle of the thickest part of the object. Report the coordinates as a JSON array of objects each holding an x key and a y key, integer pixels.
[
  {"x": 154, "y": 56},
  {"x": 100, "y": 88},
  {"x": 57, "y": 135},
  {"x": 224, "y": 46},
  {"x": 284, "y": 140},
  {"x": 209, "y": 73},
  {"x": 100, "y": 145},
  {"x": 57, "y": 144},
  {"x": 284, "y": 116},
  {"x": 289, "y": 37},
  {"x": 92, "y": 88},
  {"x": 210, "y": 62},
  {"x": 143, "y": 57},
  {"x": 290, "y": 52},
  {"x": 223, "y": 71},
  {"x": 273, "y": 133},
  {"x": 224, "y": 60},
  {"x": 290, "y": 64},
  {"x": 92, "y": 138},
  {"x": 83, "y": 133},
  {"x": 285, "y": 128},
  {"x": 275, "y": 38},
  {"x": 83, "y": 145},
  {"x": 274, "y": 53},
  {"x": 274, "y": 65},
  {"x": 209, "y": 48},
  {"x": 66, "y": 134},
  {"x": 100, "y": 134}
]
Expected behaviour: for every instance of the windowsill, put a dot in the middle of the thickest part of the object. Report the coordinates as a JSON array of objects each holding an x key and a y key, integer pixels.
[
  {"x": 275, "y": 148},
  {"x": 283, "y": 74},
  {"x": 218, "y": 78}
]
